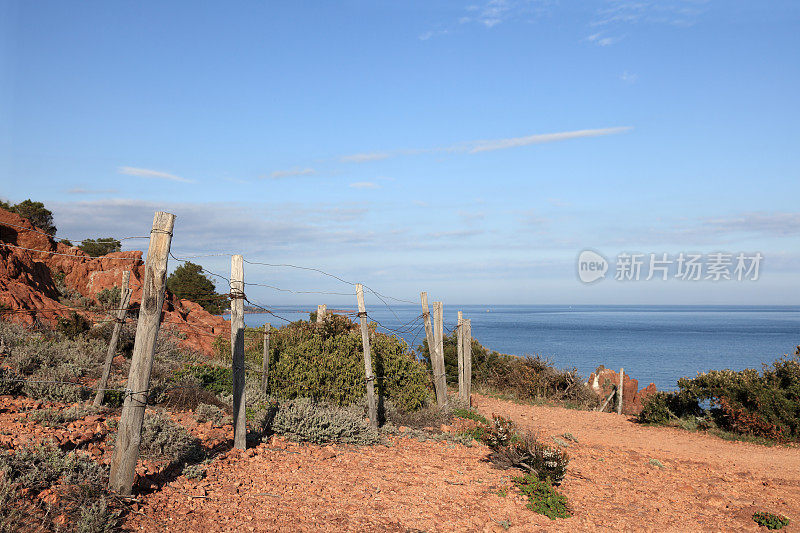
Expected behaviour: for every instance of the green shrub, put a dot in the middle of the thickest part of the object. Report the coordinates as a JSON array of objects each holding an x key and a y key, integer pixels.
[
  {"x": 303, "y": 420},
  {"x": 770, "y": 521},
  {"x": 110, "y": 298},
  {"x": 96, "y": 517},
  {"x": 55, "y": 384},
  {"x": 100, "y": 246},
  {"x": 748, "y": 402},
  {"x": 325, "y": 362},
  {"x": 162, "y": 438},
  {"x": 528, "y": 378},
  {"x": 542, "y": 497},
  {"x": 217, "y": 379},
  {"x": 73, "y": 325}
]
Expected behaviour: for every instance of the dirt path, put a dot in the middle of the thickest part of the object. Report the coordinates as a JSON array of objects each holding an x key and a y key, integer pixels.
[{"x": 706, "y": 484}]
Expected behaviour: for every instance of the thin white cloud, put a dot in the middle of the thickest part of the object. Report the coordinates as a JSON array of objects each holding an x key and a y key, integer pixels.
[
  {"x": 558, "y": 203},
  {"x": 629, "y": 77},
  {"x": 361, "y": 158},
  {"x": 152, "y": 174},
  {"x": 514, "y": 142},
  {"x": 618, "y": 14},
  {"x": 474, "y": 147},
  {"x": 292, "y": 173},
  {"x": 365, "y": 185}
]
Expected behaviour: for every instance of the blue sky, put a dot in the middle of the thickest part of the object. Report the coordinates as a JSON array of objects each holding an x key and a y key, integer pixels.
[{"x": 470, "y": 149}]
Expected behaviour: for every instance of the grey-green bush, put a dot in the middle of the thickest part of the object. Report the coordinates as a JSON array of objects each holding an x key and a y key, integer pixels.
[
  {"x": 163, "y": 438},
  {"x": 304, "y": 420}
]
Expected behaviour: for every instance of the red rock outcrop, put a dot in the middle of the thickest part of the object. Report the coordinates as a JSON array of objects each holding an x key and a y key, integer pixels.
[
  {"x": 604, "y": 380},
  {"x": 28, "y": 292}
]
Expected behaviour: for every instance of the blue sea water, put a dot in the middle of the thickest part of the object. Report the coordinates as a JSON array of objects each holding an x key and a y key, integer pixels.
[{"x": 656, "y": 344}]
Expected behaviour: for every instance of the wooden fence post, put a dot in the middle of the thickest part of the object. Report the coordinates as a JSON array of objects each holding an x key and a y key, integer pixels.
[
  {"x": 467, "y": 341},
  {"x": 126, "y": 452},
  {"x": 369, "y": 376},
  {"x": 440, "y": 374},
  {"x": 441, "y": 395},
  {"x": 460, "y": 354},
  {"x": 619, "y": 391},
  {"x": 124, "y": 300},
  {"x": 265, "y": 360},
  {"x": 322, "y": 311},
  {"x": 237, "y": 351}
]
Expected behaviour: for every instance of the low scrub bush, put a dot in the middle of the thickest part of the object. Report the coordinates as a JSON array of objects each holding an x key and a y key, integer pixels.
[
  {"x": 770, "y": 520},
  {"x": 56, "y": 384},
  {"x": 61, "y": 417},
  {"x": 209, "y": 413},
  {"x": 527, "y": 378},
  {"x": 543, "y": 498},
  {"x": 531, "y": 456},
  {"x": 217, "y": 379},
  {"x": 9, "y": 382},
  {"x": 73, "y": 325},
  {"x": 164, "y": 439},
  {"x": 748, "y": 402},
  {"x": 502, "y": 432},
  {"x": 303, "y": 420},
  {"x": 79, "y": 485}
]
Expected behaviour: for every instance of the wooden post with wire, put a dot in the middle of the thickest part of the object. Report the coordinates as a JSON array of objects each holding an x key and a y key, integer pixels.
[
  {"x": 466, "y": 339},
  {"x": 322, "y": 311},
  {"x": 368, "y": 374},
  {"x": 440, "y": 376},
  {"x": 124, "y": 300},
  {"x": 441, "y": 395},
  {"x": 237, "y": 351},
  {"x": 619, "y": 391},
  {"x": 460, "y": 354},
  {"x": 126, "y": 451},
  {"x": 265, "y": 360}
]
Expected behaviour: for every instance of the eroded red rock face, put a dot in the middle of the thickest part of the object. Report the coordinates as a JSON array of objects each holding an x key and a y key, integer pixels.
[
  {"x": 28, "y": 290},
  {"x": 603, "y": 381}
]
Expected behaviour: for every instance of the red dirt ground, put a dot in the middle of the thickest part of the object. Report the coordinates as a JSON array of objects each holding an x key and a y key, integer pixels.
[{"x": 706, "y": 483}]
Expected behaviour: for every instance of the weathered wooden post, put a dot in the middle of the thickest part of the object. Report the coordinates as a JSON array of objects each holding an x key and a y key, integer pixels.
[
  {"x": 368, "y": 374},
  {"x": 619, "y": 391},
  {"x": 124, "y": 300},
  {"x": 126, "y": 452},
  {"x": 467, "y": 340},
  {"x": 237, "y": 351},
  {"x": 265, "y": 360},
  {"x": 441, "y": 395},
  {"x": 322, "y": 311},
  {"x": 438, "y": 337},
  {"x": 460, "y": 354}
]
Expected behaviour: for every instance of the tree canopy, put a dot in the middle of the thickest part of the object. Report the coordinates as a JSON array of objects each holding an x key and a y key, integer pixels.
[
  {"x": 100, "y": 246},
  {"x": 35, "y": 212},
  {"x": 188, "y": 282}
]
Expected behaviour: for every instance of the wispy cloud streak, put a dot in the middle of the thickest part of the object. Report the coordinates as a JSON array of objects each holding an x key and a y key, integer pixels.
[
  {"x": 292, "y": 173},
  {"x": 152, "y": 174}
]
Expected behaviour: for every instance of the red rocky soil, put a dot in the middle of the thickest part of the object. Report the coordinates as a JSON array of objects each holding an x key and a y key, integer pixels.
[
  {"x": 27, "y": 288},
  {"x": 705, "y": 484}
]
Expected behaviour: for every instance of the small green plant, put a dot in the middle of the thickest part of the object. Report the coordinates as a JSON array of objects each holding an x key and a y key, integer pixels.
[
  {"x": 109, "y": 298},
  {"x": 217, "y": 379},
  {"x": 770, "y": 520},
  {"x": 9, "y": 382},
  {"x": 61, "y": 417},
  {"x": 656, "y": 462},
  {"x": 469, "y": 414},
  {"x": 570, "y": 437},
  {"x": 73, "y": 325},
  {"x": 543, "y": 498}
]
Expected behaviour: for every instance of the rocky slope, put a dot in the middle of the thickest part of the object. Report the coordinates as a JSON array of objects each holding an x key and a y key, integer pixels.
[{"x": 28, "y": 291}]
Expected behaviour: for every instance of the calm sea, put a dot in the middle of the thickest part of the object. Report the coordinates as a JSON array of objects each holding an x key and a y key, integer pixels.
[{"x": 653, "y": 343}]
